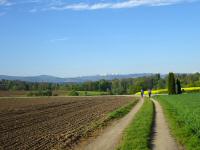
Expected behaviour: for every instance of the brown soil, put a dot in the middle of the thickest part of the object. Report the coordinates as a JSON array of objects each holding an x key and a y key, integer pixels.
[{"x": 47, "y": 123}]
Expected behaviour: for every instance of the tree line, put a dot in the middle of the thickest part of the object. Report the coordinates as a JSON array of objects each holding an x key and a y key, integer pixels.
[{"x": 116, "y": 86}]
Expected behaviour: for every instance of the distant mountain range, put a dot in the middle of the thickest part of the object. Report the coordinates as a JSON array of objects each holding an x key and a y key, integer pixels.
[{"x": 52, "y": 79}]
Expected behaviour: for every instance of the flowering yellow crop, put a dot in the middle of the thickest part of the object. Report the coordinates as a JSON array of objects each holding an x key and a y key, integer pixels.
[
  {"x": 165, "y": 91},
  {"x": 192, "y": 89}
]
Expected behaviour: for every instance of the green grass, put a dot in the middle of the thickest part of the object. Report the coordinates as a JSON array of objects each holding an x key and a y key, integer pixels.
[
  {"x": 183, "y": 115},
  {"x": 137, "y": 135},
  {"x": 121, "y": 112},
  {"x": 92, "y": 93},
  {"x": 80, "y": 93}
]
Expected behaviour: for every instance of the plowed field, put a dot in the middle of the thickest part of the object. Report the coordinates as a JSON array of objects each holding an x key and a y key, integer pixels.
[{"x": 48, "y": 123}]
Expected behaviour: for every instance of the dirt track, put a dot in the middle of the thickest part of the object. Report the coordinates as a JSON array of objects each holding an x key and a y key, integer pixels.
[
  {"x": 162, "y": 140},
  {"x": 46, "y": 123},
  {"x": 110, "y": 137}
]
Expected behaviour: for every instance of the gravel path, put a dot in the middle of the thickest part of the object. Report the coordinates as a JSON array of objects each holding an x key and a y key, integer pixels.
[
  {"x": 110, "y": 137},
  {"x": 162, "y": 140}
]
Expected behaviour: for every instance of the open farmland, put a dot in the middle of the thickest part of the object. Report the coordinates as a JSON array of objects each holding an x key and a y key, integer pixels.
[
  {"x": 13, "y": 93},
  {"x": 47, "y": 123},
  {"x": 183, "y": 114}
]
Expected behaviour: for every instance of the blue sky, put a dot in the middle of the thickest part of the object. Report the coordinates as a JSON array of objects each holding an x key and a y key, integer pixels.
[{"x": 75, "y": 38}]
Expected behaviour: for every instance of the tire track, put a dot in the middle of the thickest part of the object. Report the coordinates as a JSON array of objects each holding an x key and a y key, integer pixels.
[
  {"x": 111, "y": 136},
  {"x": 161, "y": 139}
]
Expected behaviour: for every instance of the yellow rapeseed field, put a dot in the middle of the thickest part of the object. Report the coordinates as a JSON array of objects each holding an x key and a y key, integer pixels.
[{"x": 164, "y": 91}]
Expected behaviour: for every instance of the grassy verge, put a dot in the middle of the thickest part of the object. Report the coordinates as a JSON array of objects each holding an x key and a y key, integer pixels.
[
  {"x": 137, "y": 135},
  {"x": 121, "y": 112},
  {"x": 182, "y": 113}
]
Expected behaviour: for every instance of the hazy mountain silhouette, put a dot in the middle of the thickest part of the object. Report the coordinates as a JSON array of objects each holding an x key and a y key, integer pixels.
[{"x": 53, "y": 79}]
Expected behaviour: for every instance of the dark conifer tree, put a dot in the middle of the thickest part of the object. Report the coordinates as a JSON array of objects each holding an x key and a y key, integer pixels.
[
  {"x": 178, "y": 87},
  {"x": 171, "y": 84}
]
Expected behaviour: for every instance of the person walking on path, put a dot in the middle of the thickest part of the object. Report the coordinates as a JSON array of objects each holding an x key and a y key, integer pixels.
[{"x": 142, "y": 93}]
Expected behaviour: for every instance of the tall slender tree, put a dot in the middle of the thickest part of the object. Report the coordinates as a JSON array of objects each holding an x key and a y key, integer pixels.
[
  {"x": 178, "y": 87},
  {"x": 171, "y": 84}
]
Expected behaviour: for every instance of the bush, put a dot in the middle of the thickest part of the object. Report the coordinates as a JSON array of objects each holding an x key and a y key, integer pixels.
[
  {"x": 73, "y": 93},
  {"x": 41, "y": 93},
  {"x": 30, "y": 94},
  {"x": 55, "y": 94}
]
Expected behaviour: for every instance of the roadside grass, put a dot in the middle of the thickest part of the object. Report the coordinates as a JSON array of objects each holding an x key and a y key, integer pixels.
[
  {"x": 183, "y": 115},
  {"x": 121, "y": 112},
  {"x": 137, "y": 135}
]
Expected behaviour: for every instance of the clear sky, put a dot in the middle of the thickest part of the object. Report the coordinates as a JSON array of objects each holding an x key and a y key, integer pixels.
[{"x": 74, "y": 37}]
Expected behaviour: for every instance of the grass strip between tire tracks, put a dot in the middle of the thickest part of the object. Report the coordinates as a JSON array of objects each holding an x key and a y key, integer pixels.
[{"x": 137, "y": 135}]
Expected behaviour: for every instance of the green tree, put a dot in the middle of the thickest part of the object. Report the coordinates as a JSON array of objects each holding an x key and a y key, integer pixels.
[
  {"x": 119, "y": 87},
  {"x": 161, "y": 84},
  {"x": 73, "y": 93},
  {"x": 104, "y": 85},
  {"x": 171, "y": 84},
  {"x": 178, "y": 87}
]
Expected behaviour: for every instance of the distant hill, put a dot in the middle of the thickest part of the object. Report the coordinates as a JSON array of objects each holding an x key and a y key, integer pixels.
[{"x": 52, "y": 79}]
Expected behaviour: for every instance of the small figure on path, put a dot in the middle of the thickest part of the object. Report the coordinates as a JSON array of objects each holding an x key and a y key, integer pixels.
[
  {"x": 149, "y": 91},
  {"x": 142, "y": 93}
]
